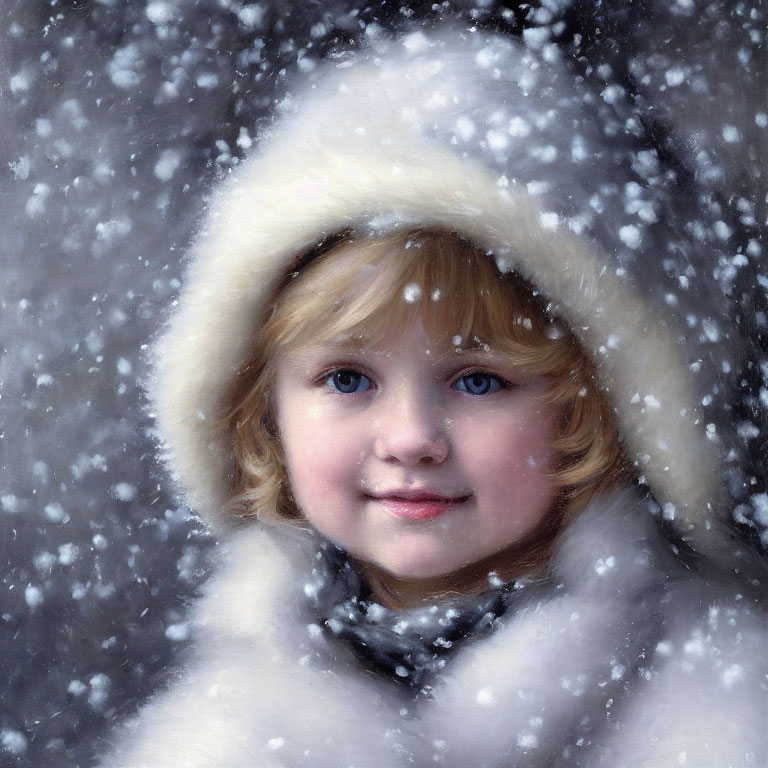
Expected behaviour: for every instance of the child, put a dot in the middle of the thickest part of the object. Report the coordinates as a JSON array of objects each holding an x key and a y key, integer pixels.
[
  {"x": 413, "y": 384},
  {"x": 398, "y": 307}
]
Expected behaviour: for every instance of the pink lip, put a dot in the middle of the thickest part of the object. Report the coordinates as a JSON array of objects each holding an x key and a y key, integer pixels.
[{"x": 418, "y": 504}]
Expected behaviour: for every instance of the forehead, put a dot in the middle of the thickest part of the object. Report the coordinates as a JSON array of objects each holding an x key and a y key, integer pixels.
[{"x": 410, "y": 343}]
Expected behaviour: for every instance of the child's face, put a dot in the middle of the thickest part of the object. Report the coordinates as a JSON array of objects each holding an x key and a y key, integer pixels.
[{"x": 414, "y": 457}]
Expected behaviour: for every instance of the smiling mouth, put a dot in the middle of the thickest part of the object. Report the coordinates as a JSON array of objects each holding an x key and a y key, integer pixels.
[{"x": 418, "y": 505}]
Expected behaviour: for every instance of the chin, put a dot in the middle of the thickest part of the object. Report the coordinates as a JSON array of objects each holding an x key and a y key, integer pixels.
[
  {"x": 418, "y": 574},
  {"x": 420, "y": 568}
]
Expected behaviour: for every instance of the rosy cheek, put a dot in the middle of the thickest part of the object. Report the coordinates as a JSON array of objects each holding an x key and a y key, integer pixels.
[
  {"x": 537, "y": 462},
  {"x": 327, "y": 472},
  {"x": 526, "y": 449}
]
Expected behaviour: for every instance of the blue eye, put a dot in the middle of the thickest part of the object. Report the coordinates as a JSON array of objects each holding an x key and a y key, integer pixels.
[
  {"x": 348, "y": 382},
  {"x": 479, "y": 383}
]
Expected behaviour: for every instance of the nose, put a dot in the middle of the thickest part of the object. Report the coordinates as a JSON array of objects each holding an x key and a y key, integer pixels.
[{"x": 412, "y": 431}]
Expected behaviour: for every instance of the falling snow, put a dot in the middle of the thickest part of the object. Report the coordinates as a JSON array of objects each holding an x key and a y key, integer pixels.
[
  {"x": 412, "y": 293},
  {"x": 630, "y": 235}
]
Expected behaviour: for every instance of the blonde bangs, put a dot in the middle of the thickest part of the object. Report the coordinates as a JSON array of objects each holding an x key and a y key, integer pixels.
[{"x": 360, "y": 290}]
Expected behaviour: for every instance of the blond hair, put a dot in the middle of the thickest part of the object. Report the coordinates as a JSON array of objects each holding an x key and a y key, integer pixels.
[{"x": 362, "y": 288}]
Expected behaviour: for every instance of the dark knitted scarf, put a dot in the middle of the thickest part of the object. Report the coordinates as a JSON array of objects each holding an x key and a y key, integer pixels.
[{"x": 408, "y": 645}]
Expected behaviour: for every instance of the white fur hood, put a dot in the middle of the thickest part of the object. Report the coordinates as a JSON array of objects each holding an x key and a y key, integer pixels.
[
  {"x": 496, "y": 139},
  {"x": 625, "y": 657}
]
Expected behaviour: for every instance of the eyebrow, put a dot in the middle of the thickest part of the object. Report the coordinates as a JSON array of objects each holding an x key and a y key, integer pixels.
[{"x": 446, "y": 354}]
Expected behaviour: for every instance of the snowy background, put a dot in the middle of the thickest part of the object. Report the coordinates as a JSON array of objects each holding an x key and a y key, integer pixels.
[{"x": 116, "y": 118}]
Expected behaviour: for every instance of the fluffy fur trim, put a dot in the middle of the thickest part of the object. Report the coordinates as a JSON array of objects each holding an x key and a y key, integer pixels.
[
  {"x": 624, "y": 658},
  {"x": 369, "y": 146}
]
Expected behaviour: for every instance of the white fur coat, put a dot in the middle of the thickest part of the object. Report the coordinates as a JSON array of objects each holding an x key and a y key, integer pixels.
[{"x": 628, "y": 657}]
